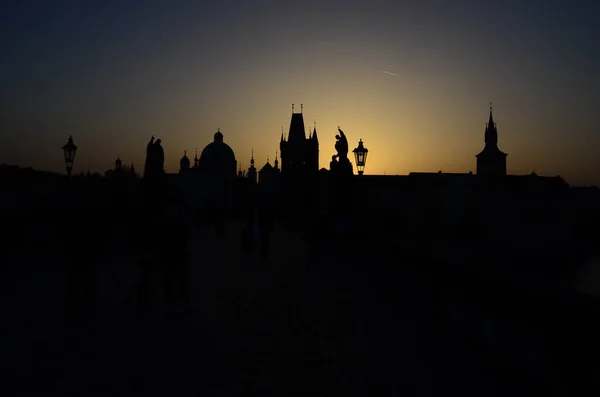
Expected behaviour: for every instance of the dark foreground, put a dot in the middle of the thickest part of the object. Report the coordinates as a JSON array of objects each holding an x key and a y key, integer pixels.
[{"x": 323, "y": 321}]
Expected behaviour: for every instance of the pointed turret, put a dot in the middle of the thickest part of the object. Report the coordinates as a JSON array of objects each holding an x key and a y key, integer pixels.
[
  {"x": 314, "y": 137},
  {"x": 252, "y": 170},
  {"x": 491, "y": 133}
]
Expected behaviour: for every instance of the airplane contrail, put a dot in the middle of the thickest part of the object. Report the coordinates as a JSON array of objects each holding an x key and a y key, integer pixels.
[{"x": 390, "y": 73}]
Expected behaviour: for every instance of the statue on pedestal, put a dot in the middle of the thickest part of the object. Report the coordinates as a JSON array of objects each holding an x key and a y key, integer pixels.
[
  {"x": 155, "y": 159},
  {"x": 339, "y": 163}
]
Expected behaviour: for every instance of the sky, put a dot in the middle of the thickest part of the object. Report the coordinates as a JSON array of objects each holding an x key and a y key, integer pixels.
[{"x": 412, "y": 79}]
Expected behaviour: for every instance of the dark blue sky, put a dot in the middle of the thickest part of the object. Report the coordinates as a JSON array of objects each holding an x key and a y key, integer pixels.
[{"x": 114, "y": 72}]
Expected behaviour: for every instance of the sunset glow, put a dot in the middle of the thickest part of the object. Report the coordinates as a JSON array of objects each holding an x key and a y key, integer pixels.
[{"x": 413, "y": 83}]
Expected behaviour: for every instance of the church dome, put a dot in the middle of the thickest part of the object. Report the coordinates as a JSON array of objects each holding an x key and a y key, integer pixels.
[{"x": 218, "y": 155}]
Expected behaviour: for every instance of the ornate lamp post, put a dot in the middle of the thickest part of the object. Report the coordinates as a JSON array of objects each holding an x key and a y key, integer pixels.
[
  {"x": 70, "y": 150},
  {"x": 360, "y": 155}
]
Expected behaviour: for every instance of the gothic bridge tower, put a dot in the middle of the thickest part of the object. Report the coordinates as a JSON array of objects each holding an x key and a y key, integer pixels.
[{"x": 299, "y": 154}]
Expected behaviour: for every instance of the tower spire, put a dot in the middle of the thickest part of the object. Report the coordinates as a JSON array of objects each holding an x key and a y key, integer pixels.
[
  {"x": 301, "y": 108},
  {"x": 292, "y": 108},
  {"x": 252, "y": 158}
]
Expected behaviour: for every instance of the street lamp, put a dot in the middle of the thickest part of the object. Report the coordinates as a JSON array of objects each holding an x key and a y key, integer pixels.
[
  {"x": 360, "y": 155},
  {"x": 69, "y": 149}
]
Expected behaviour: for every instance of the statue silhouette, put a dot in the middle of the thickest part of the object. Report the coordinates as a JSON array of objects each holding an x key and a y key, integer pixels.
[
  {"x": 148, "y": 163},
  {"x": 342, "y": 165},
  {"x": 159, "y": 157},
  {"x": 155, "y": 159},
  {"x": 341, "y": 146},
  {"x": 334, "y": 163}
]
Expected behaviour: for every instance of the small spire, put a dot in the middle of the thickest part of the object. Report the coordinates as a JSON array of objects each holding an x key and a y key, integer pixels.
[
  {"x": 314, "y": 124},
  {"x": 301, "y": 108},
  {"x": 292, "y": 108},
  {"x": 185, "y": 152},
  {"x": 491, "y": 119},
  {"x": 252, "y": 158}
]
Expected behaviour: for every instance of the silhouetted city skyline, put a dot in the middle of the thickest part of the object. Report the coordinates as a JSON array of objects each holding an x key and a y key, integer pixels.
[
  {"x": 408, "y": 79},
  {"x": 314, "y": 198}
]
